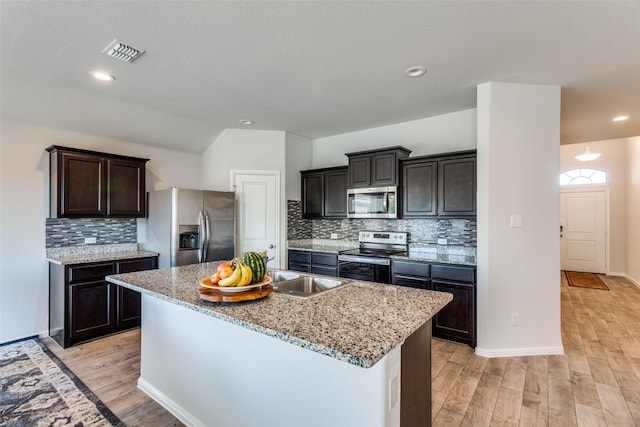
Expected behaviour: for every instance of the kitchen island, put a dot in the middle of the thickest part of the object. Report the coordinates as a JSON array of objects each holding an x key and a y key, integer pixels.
[{"x": 356, "y": 355}]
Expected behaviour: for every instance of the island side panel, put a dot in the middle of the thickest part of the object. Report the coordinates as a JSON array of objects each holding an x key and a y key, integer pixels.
[
  {"x": 415, "y": 406},
  {"x": 210, "y": 372}
]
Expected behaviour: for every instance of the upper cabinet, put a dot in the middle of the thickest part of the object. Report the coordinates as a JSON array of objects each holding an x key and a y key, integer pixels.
[
  {"x": 375, "y": 168},
  {"x": 443, "y": 185},
  {"x": 92, "y": 184},
  {"x": 324, "y": 193}
]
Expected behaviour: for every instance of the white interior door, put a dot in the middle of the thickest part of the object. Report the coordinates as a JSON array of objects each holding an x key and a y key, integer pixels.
[
  {"x": 583, "y": 231},
  {"x": 258, "y": 210}
]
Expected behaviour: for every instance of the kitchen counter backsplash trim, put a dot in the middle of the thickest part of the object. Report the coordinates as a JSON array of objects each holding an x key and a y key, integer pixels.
[{"x": 358, "y": 323}]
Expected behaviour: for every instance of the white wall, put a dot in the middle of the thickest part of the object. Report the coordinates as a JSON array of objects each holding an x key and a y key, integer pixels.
[
  {"x": 298, "y": 158},
  {"x": 518, "y": 268},
  {"x": 633, "y": 210},
  {"x": 239, "y": 149},
  {"x": 433, "y": 135},
  {"x": 613, "y": 160},
  {"x": 24, "y": 191}
]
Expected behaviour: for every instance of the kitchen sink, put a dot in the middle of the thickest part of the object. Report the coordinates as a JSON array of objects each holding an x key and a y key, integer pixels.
[
  {"x": 306, "y": 286},
  {"x": 279, "y": 276}
]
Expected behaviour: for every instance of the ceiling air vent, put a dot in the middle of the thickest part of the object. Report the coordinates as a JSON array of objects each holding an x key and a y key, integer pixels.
[{"x": 123, "y": 51}]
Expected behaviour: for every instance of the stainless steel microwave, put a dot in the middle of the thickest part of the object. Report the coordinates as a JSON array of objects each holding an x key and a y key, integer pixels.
[{"x": 373, "y": 202}]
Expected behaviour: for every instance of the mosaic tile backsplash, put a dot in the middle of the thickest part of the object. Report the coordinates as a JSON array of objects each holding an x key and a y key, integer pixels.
[
  {"x": 457, "y": 231},
  {"x": 62, "y": 232}
]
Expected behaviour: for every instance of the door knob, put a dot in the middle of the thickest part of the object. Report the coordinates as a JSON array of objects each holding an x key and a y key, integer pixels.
[{"x": 271, "y": 246}]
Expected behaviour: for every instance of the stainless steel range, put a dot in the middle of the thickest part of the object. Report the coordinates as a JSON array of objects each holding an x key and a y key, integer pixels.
[{"x": 371, "y": 261}]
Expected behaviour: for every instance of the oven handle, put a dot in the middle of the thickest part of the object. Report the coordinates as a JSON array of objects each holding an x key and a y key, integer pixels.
[{"x": 365, "y": 260}]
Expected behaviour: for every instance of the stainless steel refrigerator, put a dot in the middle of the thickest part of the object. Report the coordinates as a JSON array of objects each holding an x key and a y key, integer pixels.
[{"x": 190, "y": 226}]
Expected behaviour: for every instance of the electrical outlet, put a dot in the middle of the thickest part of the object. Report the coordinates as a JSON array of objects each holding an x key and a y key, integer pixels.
[
  {"x": 442, "y": 241},
  {"x": 514, "y": 319},
  {"x": 334, "y": 235},
  {"x": 90, "y": 240}
]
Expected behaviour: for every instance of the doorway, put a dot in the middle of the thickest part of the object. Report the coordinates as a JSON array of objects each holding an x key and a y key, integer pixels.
[
  {"x": 584, "y": 222},
  {"x": 258, "y": 212}
]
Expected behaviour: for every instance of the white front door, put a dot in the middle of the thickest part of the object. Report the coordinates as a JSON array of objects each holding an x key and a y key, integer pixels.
[
  {"x": 583, "y": 231},
  {"x": 258, "y": 212}
]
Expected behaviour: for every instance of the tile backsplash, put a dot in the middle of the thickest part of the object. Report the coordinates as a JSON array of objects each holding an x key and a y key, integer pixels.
[
  {"x": 427, "y": 231},
  {"x": 63, "y": 232}
]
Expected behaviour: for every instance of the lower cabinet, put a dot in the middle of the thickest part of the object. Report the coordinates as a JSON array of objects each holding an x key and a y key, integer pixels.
[
  {"x": 457, "y": 320},
  {"x": 83, "y": 306},
  {"x": 323, "y": 263}
]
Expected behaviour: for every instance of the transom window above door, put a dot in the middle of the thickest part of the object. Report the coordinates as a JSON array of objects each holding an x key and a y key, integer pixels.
[{"x": 583, "y": 177}]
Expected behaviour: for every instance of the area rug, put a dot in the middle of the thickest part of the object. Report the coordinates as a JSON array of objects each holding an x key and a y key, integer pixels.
[
  {"x": 37, "y": 389},
  {"x": 585, "y": 280}
]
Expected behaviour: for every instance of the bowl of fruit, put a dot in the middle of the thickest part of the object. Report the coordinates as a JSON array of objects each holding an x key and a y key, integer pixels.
[{"x": 239, "y": 274}]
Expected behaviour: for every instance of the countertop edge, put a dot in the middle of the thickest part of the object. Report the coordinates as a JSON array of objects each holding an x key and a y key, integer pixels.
[{"x": 107, "y": 256}]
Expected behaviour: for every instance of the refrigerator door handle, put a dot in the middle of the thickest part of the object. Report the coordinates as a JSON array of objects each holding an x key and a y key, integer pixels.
[
  {"x": 205, "y": 246},
  {"x": 203, "y": 234}
]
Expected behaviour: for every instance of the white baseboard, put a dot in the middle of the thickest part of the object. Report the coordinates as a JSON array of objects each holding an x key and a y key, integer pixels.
[
  {"x": 515, "y": 352},
  {"x": 615, "y": 273},
  {"x": 632, "y": 280},
  {"x": 168, "y": 404}
]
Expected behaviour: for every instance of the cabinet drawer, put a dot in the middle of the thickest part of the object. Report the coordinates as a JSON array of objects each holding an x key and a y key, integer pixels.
[
  {"x": 300, "y": 257},
  {"x": 323, "y": 259},
  {"x": 130, "y": 266},
  {"x": 84, "y": 273},
  {"x": 410, "y": 268},
  {"x": 453, "y": 273},
  {"x": 304, "y": 268},
  {"x": 325, "y": 271}
]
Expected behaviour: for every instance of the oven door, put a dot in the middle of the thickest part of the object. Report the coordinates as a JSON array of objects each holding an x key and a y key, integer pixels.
[{"x": 351, "y": 267}]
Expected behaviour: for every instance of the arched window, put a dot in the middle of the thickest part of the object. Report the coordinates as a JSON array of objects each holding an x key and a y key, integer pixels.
[{"x": 583, "y": 177}]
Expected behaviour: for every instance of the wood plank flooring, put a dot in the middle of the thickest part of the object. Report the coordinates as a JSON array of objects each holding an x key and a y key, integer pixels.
[{"x": 595, "y": 383}]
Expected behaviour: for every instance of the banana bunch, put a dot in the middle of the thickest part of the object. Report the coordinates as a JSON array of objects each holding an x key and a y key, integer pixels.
[{"x": 241, "y": 276}]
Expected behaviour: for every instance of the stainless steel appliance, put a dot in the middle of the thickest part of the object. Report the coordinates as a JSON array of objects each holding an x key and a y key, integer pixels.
[
  {"x": 371, "y": 261},
  {"x": 190, "y": 226},
  {"x": 372, "y": 202}
]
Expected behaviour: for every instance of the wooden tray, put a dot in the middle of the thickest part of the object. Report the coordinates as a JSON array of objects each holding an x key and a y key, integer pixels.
[{"x": 215, "y": 295}]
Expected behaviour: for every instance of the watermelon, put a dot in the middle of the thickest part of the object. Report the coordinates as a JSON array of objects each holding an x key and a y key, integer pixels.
[{"x": 256, "y": 263}]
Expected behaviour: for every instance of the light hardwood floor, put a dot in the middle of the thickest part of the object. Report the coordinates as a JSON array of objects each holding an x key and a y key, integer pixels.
[{"x": 596, "y": 382}]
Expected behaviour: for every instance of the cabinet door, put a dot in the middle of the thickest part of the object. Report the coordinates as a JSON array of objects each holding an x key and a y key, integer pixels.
[
  {"x": 128, "y": 307},
  {"x": 359, "y": 171},
  {"x": 312, "y": 195},
  {"x": 457, "y": 186},
  {"x": 410, "y": 281},
  {"x": 457, "y": 320},
  {"x": 81, "y": 183},
  {"x": 91, "y": 310},
  {"x": 419, "y": 189},
  {"x": 126, "y": 188},
  {"x": 335, "y": 194},
  {"x": 384, "y": 169}
]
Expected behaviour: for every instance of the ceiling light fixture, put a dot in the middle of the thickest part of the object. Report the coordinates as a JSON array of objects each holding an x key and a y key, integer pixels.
[
  {"x": 416, "y": 71},
  {"x": 620, "y": 118},
  {"x": 101, "y": 75},
  {"x": 588, "y": 155},
  {"x": 245, "y": 122}
]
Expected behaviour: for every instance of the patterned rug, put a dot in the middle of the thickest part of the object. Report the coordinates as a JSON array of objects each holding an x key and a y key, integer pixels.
[
  {"x": 37, "y": 389},
  {"x": 585, "y": 280}
]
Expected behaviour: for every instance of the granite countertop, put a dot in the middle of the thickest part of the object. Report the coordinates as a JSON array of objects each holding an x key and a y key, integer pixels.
[
  {"x": 96, "y": 253},
  {"x": 439, "y": 257},
  {"x": 358, "y": 323},
  {"x": 322, "y": 245}
]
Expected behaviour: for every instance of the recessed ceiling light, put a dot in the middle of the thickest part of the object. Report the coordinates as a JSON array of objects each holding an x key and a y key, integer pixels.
[
  {"x": 101, "y": 75},
  {"x": 246, "y": 122},
  {"x": 415, "y": 71},
  {"x": 620, "y": 118}
]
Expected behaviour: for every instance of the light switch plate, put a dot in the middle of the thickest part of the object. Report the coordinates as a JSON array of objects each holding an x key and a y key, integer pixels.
[{"x": 517, "y": 221}]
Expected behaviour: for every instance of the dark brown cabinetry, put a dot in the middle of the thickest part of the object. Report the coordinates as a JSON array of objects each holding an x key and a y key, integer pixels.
[
  {"x": 375, "y": 168},
  {"x": 457, "y": 320},
  {"x": 92, "y": 184},
  {"x": 443, "y": 185},
  {"x": 83, "y": 306},
  {"x": 324, "y": 193},
  {"x": 324, "y": 263}
]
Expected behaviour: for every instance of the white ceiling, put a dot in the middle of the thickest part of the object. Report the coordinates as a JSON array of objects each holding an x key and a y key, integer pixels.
[{"x": 312, "y": 68}]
